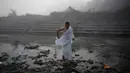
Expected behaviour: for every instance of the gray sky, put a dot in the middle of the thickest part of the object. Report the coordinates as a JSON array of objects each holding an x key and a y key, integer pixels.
[
  {"x": 38, "y": 6},
  {"x": 44, "y": 7}
]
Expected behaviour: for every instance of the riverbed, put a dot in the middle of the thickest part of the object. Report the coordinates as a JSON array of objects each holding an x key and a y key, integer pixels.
[{"x": 35, "y": 53}]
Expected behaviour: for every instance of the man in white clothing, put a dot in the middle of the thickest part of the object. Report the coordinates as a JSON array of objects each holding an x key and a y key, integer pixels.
[{"x": 65, "y": 40}]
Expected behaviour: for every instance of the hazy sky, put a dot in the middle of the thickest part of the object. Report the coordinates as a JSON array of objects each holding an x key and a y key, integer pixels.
[{"x": 38, "y": 6}]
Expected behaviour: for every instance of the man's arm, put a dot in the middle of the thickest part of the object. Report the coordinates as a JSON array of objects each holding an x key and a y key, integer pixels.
[{"x": 61, "y": 29}]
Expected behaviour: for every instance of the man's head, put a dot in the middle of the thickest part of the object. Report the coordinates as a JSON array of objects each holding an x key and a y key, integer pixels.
[{"x": 67, "y": 24}]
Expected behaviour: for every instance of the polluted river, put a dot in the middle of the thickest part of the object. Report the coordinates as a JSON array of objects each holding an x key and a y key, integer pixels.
[{"x": 22, "y": 54}]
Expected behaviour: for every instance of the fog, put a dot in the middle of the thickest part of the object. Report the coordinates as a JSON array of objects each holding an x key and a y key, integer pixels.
[
  {"x": 45, "y": 7},
  {"x": 38, "y": 6},
  {"x": 106, "y": 5}
]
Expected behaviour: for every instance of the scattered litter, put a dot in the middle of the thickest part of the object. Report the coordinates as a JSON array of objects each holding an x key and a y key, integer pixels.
[{"x": 106, "y": 66}]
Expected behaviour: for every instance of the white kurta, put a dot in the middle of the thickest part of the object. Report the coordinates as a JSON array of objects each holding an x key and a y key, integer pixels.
[{"x": 65, "y": 41}]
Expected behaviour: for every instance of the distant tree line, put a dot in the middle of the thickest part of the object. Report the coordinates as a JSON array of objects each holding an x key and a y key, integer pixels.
[{"x": 72, "y": 15}]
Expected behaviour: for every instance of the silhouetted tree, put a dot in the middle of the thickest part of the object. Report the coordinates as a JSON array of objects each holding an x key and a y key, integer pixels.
[{"x": 13, "y": 13}]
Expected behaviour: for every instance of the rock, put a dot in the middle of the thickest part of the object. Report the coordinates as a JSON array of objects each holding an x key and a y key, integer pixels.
[
  {"x": 90, "y": 51},
  {"x": 126, "y": 57},
  {"x": 2, "y": 66},
  {"x": 16, "y": 42},
  {"x": 37, "y": 70},
  {"x": 41, "y": 55},
  {"x": 4, "y": 56},
  {"x": 38, "y": 62},
  {"x": 26, "y": 66},
  {"x": 46, "y": 52},
  {"x": 87, "y": 71},
  {"x": 94, "y": 67},
  {"x": 38, "y": 56},
  {"x": 0, "y": 62},
  {"x": 76, "y": 54},
  {"x": 90, "y": 61},
  {"x": 32, "y": 57},
  {"x": 75, "y": 70},
  {"x": 55, "y": 56},
  {"x": 32, "y": 47},
  {"x": 106, "y": 56},
  {"x": 123, "y": 56}
]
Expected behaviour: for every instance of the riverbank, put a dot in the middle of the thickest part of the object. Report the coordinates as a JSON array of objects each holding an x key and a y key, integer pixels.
[{"x": 36, "y": 54}]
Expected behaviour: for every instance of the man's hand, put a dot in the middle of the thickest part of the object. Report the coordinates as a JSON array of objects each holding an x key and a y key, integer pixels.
[
  {"x": 61, "y": 29},
  {"x": 73, "y": 39},
  {"x": 58, "y": 37}
]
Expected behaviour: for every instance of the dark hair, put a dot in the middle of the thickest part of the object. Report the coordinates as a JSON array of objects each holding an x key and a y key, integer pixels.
[{"x": 67, "y": 23}]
